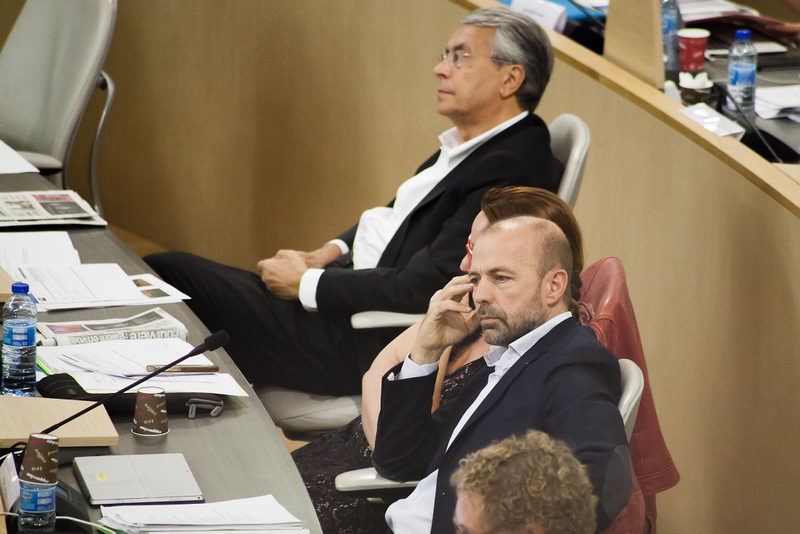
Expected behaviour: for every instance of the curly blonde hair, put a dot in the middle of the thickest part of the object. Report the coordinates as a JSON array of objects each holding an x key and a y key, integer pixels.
[{"x": 534, "y": 480}]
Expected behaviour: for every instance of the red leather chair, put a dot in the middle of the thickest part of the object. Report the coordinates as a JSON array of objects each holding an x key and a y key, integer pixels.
[{"x": 605, "y": 306}]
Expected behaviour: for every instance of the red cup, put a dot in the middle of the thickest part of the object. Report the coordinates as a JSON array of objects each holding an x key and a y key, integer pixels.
[{"x": 692, "y": 45}]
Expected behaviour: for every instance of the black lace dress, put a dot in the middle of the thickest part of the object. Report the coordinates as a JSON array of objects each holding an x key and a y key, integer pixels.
[{"x": 346, "y": 449}]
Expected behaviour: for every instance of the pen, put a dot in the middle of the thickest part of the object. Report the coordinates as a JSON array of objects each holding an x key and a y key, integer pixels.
[{"x": 185, "y": 369}]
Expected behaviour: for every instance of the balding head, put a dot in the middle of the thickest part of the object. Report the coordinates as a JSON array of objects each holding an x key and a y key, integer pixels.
[
  {"x": 546, "y": 243},
  {"x": 520, "y": 275}
]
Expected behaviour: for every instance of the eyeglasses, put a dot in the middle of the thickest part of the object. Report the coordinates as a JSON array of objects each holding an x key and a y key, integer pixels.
[{"x": 455, "y": 58}]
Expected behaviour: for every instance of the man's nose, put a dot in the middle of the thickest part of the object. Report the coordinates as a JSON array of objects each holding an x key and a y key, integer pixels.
[
  {"x": 442, "y": 69},
  {"x": 481, "y": 292},
  {"x": 466, "y": 263}
]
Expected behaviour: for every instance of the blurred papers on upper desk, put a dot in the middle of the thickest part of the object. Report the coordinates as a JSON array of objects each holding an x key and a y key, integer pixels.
[
  {"x": 12, "y": 163},
  {"x": 32, "y": 208},
  {"x": 692, "y": 10},
  {"x": 776, "y": 102}
]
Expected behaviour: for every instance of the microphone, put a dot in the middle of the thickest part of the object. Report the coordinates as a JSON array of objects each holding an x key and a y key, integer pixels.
[{"x": 212, "y": 342}]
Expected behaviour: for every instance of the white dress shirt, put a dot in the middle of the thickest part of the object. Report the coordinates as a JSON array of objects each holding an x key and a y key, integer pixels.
[
  {"x": 378, "y": 225},
  {"x": 414, "y": 514}
]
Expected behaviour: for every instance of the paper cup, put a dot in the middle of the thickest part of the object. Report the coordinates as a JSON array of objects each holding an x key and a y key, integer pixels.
[
  {"x": 150, "y": 415},
  {"x": 40, "y": 463},
  {"x": 692, "y": 45}
]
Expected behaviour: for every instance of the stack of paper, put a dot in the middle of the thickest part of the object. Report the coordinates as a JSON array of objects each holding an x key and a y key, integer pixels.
[
  {"x": 692, "y": 10},
  {"x": 32, "y": 208},
  {"x": 109, "y": 366},
  {"x": 51, "y": 266},
  {"x": 774, "y": 102},
  {"x": 256, "y": 514}
]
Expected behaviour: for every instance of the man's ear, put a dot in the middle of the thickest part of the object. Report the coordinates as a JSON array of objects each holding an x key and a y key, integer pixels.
[
  {"x": 556, "y": 282},
  {"x": 513, "y": 76}
]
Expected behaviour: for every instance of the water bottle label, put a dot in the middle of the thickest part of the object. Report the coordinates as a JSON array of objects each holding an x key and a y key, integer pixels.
[
  {"x": 38, "y": 499},
  {"x": 19, "y": 336},
  {"x": 742, "y": 74},
  {"x": 669, "y": 21}
]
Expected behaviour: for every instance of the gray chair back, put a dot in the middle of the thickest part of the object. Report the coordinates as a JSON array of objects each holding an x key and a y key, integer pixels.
[
  {"x": 48, "y": 68},
  {"x": 569, "y": 142}
]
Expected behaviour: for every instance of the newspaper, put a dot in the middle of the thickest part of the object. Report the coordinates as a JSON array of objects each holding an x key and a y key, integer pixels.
[
  {"x": 152, "y": 324},
  {"x": 25, "y": 208}
]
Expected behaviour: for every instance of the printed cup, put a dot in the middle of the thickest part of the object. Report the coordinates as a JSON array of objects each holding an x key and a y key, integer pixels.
[
  {"x": 692, "y": 45},
  {"x": 40, "y": 462},
  {"x": 150, "y": 415}
]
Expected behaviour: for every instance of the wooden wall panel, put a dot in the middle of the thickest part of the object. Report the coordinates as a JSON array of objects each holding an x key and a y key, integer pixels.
[
  {"x": 711, "y": 263},
  {"x": 241, "y": 127}
]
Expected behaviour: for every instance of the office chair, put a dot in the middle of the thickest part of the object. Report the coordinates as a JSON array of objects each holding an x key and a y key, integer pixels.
[
  {"x": 49, "y": 66},
  {"x": 569, "y": 142},
  {"x": 302, "y": 415},
  {"x": 368, "y": 483}
]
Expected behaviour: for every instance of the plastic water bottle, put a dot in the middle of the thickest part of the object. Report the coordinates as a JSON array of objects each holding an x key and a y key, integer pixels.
[
  {"x": 37, "y": 507},
  {"x": 38, "y": 476},
  {"x": 742, "y": 60},
  {"x": 19, "y": 343},
  {"x": 669, "y": 32}
]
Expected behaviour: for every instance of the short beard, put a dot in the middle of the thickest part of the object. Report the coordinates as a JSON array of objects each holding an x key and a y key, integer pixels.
[{"x": 506, "y": 331}]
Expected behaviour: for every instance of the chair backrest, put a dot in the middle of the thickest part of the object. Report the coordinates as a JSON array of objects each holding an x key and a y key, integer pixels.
[
  {"x": 48, "y": 68},
  {"x": 569, "y": 142},
  {"x": 632, "y": 387},
  {"x": 606, "y": 306}
]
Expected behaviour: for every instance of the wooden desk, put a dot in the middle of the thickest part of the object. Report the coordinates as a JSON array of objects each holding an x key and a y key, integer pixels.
[{"x": 237, "y": 454}]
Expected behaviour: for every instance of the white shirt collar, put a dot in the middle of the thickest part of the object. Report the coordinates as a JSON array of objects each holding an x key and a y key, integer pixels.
[
  {"x": 502, "y": 358},
  {"x": 453, "y": 145}
]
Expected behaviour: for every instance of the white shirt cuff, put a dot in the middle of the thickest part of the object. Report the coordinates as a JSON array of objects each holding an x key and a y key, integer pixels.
[
  {"x": 411, "y": 369},
  {"x": 308, "y": 288},
  {"x": 339, "y": 243}
]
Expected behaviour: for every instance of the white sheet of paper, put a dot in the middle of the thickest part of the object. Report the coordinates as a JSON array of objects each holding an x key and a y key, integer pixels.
[
  {"x": 216, "y": 383},
  {"x": 103, "y": 283},
  {"x": 264, "y": 510},
  {"x": 13, "y": 163},
  {"x": 117, "y": 358},
  {"x": 712, "y": 121}
]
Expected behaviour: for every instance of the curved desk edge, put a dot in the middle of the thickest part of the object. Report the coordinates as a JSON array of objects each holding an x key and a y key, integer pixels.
[{"x": 779, "y": 185}]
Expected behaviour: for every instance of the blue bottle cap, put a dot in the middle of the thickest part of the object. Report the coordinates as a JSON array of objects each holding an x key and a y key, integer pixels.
[
  {"x": 743, "y": 34},
  {"x": 19, "y": 287}
]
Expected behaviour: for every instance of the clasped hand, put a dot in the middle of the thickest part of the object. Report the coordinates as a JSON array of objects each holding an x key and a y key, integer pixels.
[
  {"x": 282, "y": 272},
  {"x": 449, "y": 320}
]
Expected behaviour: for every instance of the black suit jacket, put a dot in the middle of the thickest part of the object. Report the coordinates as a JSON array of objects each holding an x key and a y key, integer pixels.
[
  {"x": 567, "y": 385},
  {"x": 426, "y": 250}
]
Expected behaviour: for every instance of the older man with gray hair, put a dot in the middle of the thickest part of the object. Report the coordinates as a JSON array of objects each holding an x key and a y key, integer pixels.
[{"x": 290, "y": 324}]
